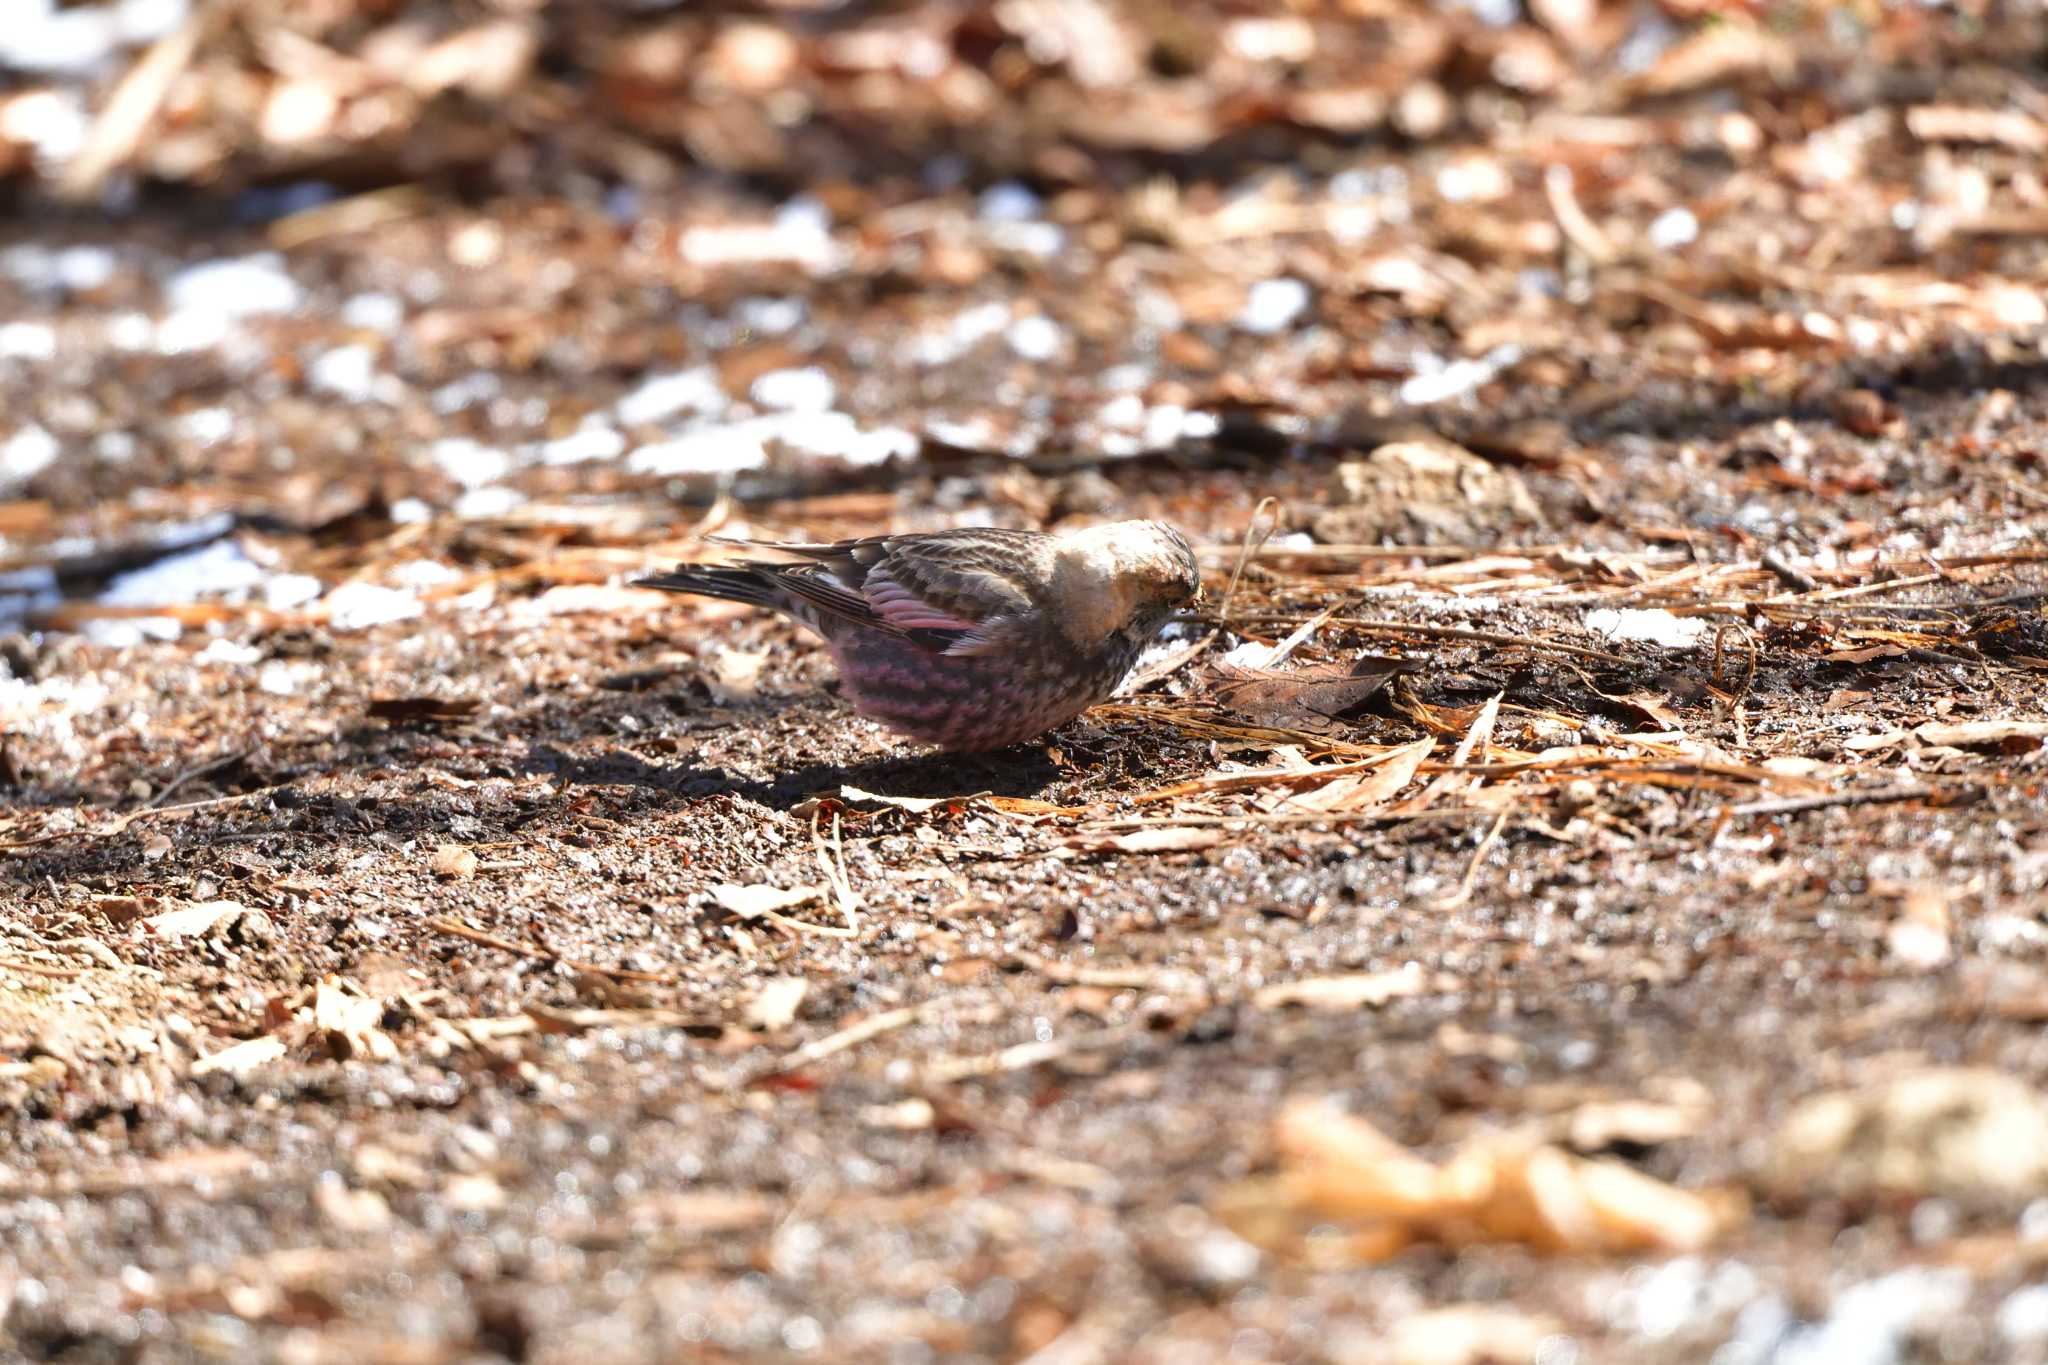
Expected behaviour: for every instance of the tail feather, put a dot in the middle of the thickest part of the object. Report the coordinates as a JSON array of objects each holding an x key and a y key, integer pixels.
[{"x": 736, "y": 584}]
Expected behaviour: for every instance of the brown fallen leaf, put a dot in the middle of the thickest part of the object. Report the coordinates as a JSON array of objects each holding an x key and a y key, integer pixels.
[
  {"x": 1310, "y": 698},
  {"x": 1294, "y": 772},
  {"x": 1967, "y": 123},
  {"x": 1363, "y": 791},
  {"x": 1605, "y": 1124},
  {"x": 2015, "y": 736},
  {"x": 194, "y": 921},
  {"x": 1497, "y": 1188}
]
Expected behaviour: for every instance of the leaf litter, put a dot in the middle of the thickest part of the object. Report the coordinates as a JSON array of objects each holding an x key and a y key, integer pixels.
[{"x": 1668, "y": 439}]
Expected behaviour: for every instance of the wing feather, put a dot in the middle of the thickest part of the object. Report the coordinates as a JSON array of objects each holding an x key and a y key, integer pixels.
[{"x": 950, "y": 592}]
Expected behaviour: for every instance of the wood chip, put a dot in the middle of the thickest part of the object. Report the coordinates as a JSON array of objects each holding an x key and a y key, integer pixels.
[
  {"x": 423, "y": 710},
  {"x": 774, "y": 1006},
  {"x": 1343, "y": 994},
  {"x": 194, "y": 921}
]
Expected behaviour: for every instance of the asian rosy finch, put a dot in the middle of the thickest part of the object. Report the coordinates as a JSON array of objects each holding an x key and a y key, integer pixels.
[{"x": 970, "y": 639}]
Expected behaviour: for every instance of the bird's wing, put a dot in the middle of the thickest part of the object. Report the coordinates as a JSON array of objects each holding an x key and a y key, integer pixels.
[{"x": 951, "y": 592}]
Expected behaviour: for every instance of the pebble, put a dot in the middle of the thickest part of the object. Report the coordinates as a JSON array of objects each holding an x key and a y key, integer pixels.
[{"x": 1272, "y": 306}]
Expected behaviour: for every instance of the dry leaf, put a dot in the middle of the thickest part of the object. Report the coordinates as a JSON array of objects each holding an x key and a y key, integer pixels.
[
  {"x": 193, "y": 921},
  {"x": 1309, "y": 698},
  {"x": 242, "y": 1057},
  {"x": 121, "y": 911},
  {"x": 2012, "y": 735},
  {"x": 736, "y": 675},
  {"x": 774, "y": 1006},
  {"x": 1363, "y": 791},
  {"x": 351, "y": 1020},
  {"x": 1342, "y": 994},
  {"x": 1964, "y": 123},
  {"x": 454, "y": 862},
  {"x": 1605, "y": 1124}
]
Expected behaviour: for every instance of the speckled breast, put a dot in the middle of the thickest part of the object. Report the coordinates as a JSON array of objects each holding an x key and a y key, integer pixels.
[{"x": 975, "y": 702}]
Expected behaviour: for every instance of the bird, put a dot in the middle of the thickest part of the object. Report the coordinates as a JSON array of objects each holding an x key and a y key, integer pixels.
[{"x": 970, "y": 639}]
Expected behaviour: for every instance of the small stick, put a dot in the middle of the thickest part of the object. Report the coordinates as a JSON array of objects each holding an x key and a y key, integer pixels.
[
  {"x": 1579, "y": 229},
  {"x": 1859, "y": 589},
  {"x": 38, "y": 969},
  {"x": 126, "y": 820},
  {"x": 455, "y": 928},
  {"x": 1720, "y": 639},
  {"x": 1486, "y": 637},
  {"x": 1471, "y": 877},
  {"x": 1789, "y": 574},
  {"x": 202, "y": 770},
  {"x": 1250, "y": 546},
  {"x": 131, "y": 109},
  {"x": 944, "y": 1070},
  {"x": 843, "y": 894},
  {"x": 1801, "y": 805},
  {"x": 1340, "y": 551},
  {"x": 853, "y": 1035}
]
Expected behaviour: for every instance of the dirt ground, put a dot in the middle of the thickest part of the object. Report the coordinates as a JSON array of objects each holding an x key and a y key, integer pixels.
[{"x": 418, "y": 945}]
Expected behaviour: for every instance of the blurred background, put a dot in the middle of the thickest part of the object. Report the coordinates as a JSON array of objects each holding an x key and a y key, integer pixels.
[{"x": 537, "y": 250}]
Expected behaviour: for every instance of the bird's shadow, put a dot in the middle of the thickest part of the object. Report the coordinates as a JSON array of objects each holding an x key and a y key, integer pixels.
[{"x": 1017, "y": 771}]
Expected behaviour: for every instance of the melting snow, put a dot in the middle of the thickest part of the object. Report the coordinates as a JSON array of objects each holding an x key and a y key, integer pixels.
[
  {"x": 1653, "y": 625},
  {"x": 662, "y": 396},
  {"x": 358, "y": 606},
  {"x": 1271, "y": 306}
]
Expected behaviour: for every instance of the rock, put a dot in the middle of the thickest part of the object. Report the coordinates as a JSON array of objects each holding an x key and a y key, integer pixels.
[{"x": 1426, "y": 492}]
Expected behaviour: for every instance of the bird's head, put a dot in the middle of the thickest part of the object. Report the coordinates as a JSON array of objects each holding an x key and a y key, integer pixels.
[{"x": 1129, "y": 577}]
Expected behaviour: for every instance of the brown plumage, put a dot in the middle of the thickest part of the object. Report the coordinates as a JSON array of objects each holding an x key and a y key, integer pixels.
[{"x": 976, "y": 638}]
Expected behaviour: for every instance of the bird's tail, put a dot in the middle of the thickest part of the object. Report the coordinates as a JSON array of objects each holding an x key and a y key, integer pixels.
[{"x": 733, "y": 584}]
